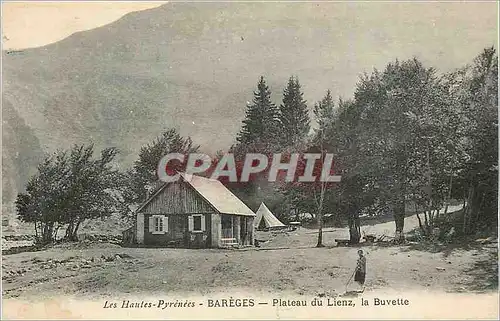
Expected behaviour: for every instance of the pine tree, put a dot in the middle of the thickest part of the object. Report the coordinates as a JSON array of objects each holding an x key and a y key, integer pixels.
[
  {"x": 294, "y": 115},
  {"x": 260, "y": 123},
  {"x": 323, "y": 111}
]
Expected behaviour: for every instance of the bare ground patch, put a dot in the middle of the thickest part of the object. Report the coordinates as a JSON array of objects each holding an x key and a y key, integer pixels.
[{"x": 107, "y": 269}]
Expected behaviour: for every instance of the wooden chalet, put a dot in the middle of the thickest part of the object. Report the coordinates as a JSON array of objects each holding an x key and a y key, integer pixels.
[{"x": 193, "y": 212}]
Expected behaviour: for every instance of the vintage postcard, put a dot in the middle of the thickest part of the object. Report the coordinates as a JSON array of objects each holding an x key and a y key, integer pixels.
[{"x": 250, "y": 160}]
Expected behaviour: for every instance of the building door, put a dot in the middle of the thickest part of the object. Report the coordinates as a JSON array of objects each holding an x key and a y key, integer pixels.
[
  {"x": 243, "y": 231},
  {"x": 230, "y": 227},
  {"x": 227, "y": 226}
]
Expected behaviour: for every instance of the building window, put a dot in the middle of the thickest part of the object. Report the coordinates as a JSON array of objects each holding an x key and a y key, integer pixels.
[
  {"x": 197, "y": 223},
  {"x": 158, "y": 224}
]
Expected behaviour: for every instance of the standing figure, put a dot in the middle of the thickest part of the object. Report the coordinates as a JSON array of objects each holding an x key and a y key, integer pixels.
[{"x": 360, "y": 274}]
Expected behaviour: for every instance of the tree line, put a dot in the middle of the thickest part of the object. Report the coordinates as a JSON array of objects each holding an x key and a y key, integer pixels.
[{"x": 408, "y": 135}]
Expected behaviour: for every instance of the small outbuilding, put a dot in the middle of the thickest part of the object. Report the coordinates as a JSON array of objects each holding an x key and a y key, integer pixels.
[
  {"x": 265, "y": 219},
  {"x": 192, "y": 212}
]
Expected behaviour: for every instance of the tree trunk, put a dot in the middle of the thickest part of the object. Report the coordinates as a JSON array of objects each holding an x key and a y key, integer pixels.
[
  {"x": 45, "y": 230},
  {"x": 320, "y": 230},
  {"x": 420, "y": 224},
  {"x": 449, "y": 196},
  {"x": 469, "y": 209},
  {"x": 320, "y": 203},
  {"x": 354, "y": 227},
  {"x": 399, "y": 219},
  {"x": 74, "y": 235},
  {"x": 69, "y": 230},
  {"x": 51, "y": 233},
  {"x": 464, "y": 212},
  {"x": 476, "y": 210},
  {"x": 56, "y": 231},
  {"x": 399, "y": 205},
  {"x": 320, "y": 216},
  {"x": 429, "y": 191},
  {"x": 47, "y": 237},
  {"x": 36, "y": 230},
  {"x": 419, "y": 219}
]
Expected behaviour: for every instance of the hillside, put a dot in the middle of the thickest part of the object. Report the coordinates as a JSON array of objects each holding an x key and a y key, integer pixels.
[
  {"x": 193, "y": 67},
  {"x": 121, "y": 84}
]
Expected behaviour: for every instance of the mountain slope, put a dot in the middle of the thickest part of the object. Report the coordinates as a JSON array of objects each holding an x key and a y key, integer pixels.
[{"x": 194, "y": 67}]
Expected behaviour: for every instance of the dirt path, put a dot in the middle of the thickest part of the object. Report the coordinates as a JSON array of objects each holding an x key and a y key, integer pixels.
[
  {"x": 308, "y": 237},
  {"x": 104, "y": 269}
]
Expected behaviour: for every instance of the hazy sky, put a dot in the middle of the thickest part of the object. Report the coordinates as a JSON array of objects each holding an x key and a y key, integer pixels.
[{"x": 35, "y": 24}]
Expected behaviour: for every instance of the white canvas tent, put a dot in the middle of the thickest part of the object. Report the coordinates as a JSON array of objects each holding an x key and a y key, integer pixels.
[{"x": 270, "y": 221}]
